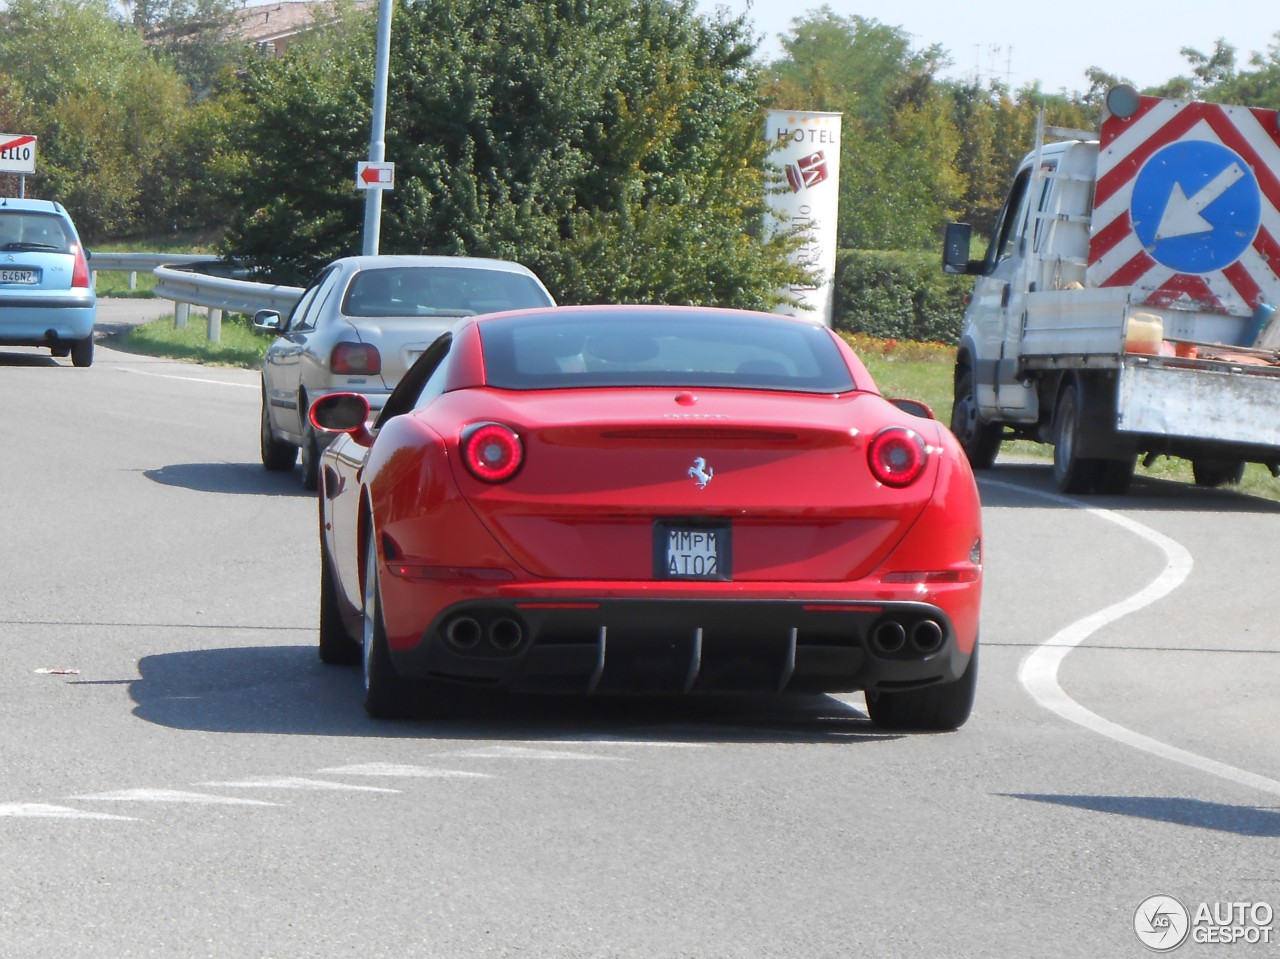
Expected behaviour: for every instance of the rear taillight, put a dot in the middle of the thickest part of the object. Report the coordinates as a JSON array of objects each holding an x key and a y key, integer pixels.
[
  {"x": 79, "y": 272},
  {"x": 897, "y": 456},
  {"x": 355, "y": 359},
  {"x": 492, "y": 452}
]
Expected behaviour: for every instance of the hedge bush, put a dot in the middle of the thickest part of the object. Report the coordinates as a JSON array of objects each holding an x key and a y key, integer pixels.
[{"x": 903, "y": 296}]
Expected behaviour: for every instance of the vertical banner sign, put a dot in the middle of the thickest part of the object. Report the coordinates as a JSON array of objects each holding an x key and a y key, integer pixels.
[{"x": 807, "y": 147}]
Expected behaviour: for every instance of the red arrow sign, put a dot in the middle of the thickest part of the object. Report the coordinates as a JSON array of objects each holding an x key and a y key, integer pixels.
[{"x": 376, "y": 176}]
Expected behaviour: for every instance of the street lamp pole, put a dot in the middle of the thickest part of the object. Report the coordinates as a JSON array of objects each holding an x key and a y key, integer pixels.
[{"x": 378, "y": 133}]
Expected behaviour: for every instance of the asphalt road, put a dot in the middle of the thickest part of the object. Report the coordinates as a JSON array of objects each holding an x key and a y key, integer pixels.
[{"x": 182, "y": 777}]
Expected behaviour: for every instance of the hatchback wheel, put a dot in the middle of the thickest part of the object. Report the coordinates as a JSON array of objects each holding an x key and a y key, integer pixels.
[{"x": 82, "y": 352}]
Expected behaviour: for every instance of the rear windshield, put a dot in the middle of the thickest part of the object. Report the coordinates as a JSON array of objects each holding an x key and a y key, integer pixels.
[
  {"x": 36, "y": 232},
  {"x": 713, "y": 349},
  {"x": 439, "y": 291}
]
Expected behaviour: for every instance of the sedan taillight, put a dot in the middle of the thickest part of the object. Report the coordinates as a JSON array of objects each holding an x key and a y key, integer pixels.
[
  {"x": 355, "y": 359},
  {"x": 897, "y": 456},
  {"x": 492, "y": 452}
]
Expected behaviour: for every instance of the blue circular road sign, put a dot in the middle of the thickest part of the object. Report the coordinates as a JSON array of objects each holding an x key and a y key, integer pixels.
[{"x": 1196, "y": 206}]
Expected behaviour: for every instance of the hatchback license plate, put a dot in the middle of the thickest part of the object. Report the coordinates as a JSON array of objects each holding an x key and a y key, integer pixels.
[
  {"x": 689, "y": 551},
  {"x": 20, "y": 277}
]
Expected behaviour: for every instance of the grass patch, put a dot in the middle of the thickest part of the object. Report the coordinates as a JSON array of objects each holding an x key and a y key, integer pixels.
[{"x": 241, "y": 344}]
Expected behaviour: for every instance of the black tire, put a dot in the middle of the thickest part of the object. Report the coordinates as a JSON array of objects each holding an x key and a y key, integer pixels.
[
  {"x": 337, "y": 648},
  {"x": 1212, "y": 472},
  {"x": 1116, "y": 476},
  {"x": 938, "y": 708},
  {"x": 310, "y": 459},
  {"x": 1071, "y": 472},
  {"x": 277, "y": 455},
  {"x": 82, "y": 352},
  {"x": 980, "y": 441},
  {"x": 387, "y": 694}
]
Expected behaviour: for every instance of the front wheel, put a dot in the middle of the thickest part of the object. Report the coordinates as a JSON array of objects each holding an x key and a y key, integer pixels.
[
  {"x": 980, "y": 441},
  {"x": 336, "y": 647},
  {"x": 938, "y": 708}
]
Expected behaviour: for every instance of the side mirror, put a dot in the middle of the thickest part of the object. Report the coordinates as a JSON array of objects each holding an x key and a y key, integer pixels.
[
  {"x": 914, "y": 407},
  {"x": 955, "y": 248},
  {"x": 267, "y": 320},
  {"x": 342, "y": 413}
]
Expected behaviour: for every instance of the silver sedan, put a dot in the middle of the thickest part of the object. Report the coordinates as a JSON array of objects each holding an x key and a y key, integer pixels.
[{"x": 359, "y": 326}]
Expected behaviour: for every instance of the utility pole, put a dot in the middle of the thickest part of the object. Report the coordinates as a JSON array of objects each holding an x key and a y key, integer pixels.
[{"x": 378, "y": 133}]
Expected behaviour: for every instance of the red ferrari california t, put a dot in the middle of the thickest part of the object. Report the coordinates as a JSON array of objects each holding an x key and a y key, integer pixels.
[{"x": 637, "y": 499}]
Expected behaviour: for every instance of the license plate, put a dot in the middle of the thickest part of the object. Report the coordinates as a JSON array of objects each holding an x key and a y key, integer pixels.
[
  {"x": 20, "y": 277},
  {"x": 691, "y": 551}
]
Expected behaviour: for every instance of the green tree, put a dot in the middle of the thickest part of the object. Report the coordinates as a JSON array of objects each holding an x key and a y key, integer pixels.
[
  {"x": 616, "y": 147},
  {"x": 899, "y": 181},
  {"x": 103, "y": 107},
  {"x": 196, "y": 36}
]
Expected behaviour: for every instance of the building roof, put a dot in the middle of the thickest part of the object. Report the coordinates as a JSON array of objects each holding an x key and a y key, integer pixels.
[{"x": 286, "y": 19}]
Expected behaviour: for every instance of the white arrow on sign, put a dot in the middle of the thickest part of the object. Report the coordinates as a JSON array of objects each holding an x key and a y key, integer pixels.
[{"x": 1181, "y": 215}]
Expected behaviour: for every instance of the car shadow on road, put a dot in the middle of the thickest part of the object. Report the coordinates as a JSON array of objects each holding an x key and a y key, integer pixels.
[
  {"x": 1147, "y": 494},
  {"x": 30, "y": 359},
  {"x": 286, "y": 690},
  {"x": 229, "y": 478},
  {"x": 1259, "y": 821}
]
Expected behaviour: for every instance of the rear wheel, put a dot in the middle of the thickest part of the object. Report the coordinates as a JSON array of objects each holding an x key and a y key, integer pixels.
[
  {"x": 980, "y": 441},
  {"x": 1072, "y": 472},
  {"x": 387, "y": 694},
  {"x": 1215, "y": 472},
  {"x": 277, "y": 455},
  {"x": 1115, "y": 476},
  {"x": 934, "y": 708},
  {"x": 82, "y": 352},
  {"x": 310, "y": 459}
]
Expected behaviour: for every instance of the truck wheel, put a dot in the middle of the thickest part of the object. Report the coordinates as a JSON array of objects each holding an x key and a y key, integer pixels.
[
  {"x": 1213, "y": 472},
  {"x": 1072, "y": 472},
  {"x": 980, "y": 441},
  {"x": 1115, "y": 476}
]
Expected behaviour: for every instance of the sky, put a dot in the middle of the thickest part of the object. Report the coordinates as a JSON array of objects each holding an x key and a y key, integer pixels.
[{"x": 1021, "y": 42}]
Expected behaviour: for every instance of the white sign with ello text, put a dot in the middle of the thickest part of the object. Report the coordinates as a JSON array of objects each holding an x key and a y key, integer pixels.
[
  {"x": 17, "y": 153},
  {"x": 806, "y": 146}
]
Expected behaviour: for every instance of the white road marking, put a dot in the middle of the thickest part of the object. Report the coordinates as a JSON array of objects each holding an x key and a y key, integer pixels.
[
  {"x": 297, "y": 782},
  {"x": 173, "y": 795},
  {"x": 1039, "y": 670},
  {"x": 403, "y": 771},
  {"x": 190, "y": 379},
  {"x": 39, "y": 810},
  {"x": 526, "y": 752}
]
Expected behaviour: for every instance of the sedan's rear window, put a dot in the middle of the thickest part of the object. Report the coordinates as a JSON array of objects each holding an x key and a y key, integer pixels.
[
  {"x": 25, "y": 231},
  {"x": 661, "y": 348},
  {"x": 439, "y": 291}
]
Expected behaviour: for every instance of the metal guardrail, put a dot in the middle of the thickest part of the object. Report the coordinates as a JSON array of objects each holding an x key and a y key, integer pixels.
[{"x": 187, "y": 288}]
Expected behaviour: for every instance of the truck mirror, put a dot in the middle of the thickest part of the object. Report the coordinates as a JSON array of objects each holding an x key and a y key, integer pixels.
[{"x": 955, "y": 248}]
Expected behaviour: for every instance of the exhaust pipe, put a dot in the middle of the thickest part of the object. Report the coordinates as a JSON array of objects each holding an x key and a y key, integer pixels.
[
  {"x": 888, "y": 637},
  {"x": 463, "y": 632},
  {"x": 505, "y": 634},
  {"x": 926, "y": 636}
]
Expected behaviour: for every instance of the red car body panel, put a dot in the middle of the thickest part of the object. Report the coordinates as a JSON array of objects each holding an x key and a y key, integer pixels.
[{"x": 821, "y": 549}]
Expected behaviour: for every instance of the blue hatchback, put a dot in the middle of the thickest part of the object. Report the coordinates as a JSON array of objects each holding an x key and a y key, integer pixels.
[{"x": 46, "y": 292}]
